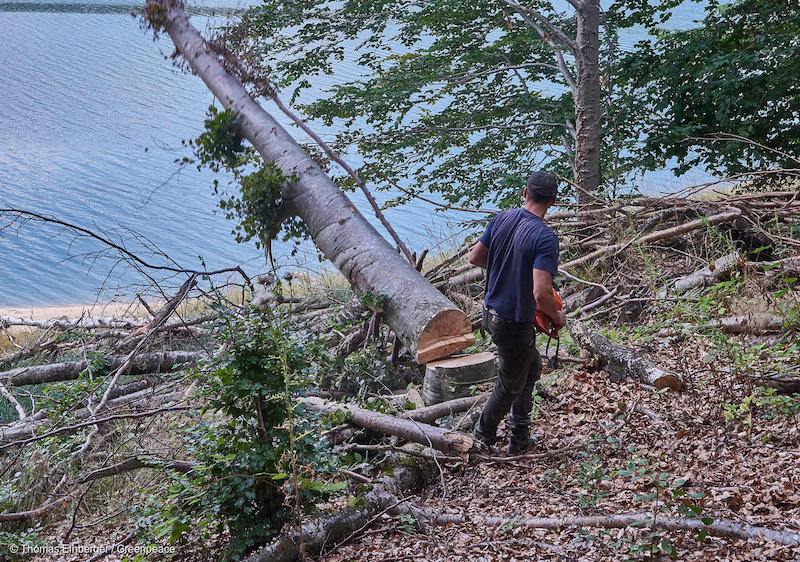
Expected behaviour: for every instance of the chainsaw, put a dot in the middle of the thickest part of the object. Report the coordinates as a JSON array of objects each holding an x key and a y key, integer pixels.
[{"x": 544, "y": 324}]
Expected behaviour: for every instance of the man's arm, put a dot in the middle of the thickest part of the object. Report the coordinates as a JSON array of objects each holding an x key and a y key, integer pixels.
[
  {"x": 543, "y": 293},
  {"x": 479, "y": 255}
]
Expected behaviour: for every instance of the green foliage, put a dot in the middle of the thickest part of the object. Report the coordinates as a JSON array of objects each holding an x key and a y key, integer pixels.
[
  {"x": 407, "y": 523},
  {"x": 246, "y": 438},
  {"x": 256, "y": 205},
  {"x": 461, "y": 97},
  {"x": 15, "y": 545},
  {"x": 363, "y": 371},
  {"x": 737, "y": 74}
]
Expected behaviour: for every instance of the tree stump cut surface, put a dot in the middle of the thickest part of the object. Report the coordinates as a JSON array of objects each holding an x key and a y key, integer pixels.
[{"x": 452, "y": 377}]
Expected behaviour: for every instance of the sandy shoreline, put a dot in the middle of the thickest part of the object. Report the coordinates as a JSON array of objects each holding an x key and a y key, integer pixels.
[{"x": 39, "y": 313}]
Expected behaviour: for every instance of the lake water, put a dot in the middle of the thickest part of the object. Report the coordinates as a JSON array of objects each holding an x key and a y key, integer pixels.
[{"x": 91, "y": 122}]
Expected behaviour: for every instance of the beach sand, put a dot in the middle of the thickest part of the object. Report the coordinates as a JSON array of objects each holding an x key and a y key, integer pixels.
[{"x": 39, "y": 313}]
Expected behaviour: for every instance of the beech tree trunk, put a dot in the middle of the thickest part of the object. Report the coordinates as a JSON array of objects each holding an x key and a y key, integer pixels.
[
  {"x": 144, "y": 363},
  {"x": 620, "y": 361},
  {"x": 427, "y": 322},
  {"x": 588, "y": 112}
]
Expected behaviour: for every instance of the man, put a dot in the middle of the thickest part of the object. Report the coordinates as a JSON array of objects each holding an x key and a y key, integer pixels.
[{"x": 520, "y": 255}]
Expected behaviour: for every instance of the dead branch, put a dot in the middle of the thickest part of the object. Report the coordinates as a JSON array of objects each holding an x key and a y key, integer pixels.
[
  {"x": 160, "y": 362},
  {"x": 432, "y": 413},
  {"x": 135, "y": 463},
  {"x": 719, "y": 527},
  {"x": 75, "y": 427},
  {"x": 657, "y": 235},
  {"x": 620, "y": 361},
  {"x": 441, "y": 439}
]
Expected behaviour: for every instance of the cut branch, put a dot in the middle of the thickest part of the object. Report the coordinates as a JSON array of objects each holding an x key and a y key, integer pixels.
[
  {"x": 144, "y": 363},
  {"x": 444, "y": 440},
  {"x": 718, "y": 527},
  {"x": 620, "y": 361}
]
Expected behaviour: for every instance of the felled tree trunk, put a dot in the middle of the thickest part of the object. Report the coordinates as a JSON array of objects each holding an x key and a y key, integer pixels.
[
  {"x": 329, "y": 530},
  {"x": 453, "y": 377},
  {"x": 755, "y": 323},
  {"x": 144, "y": 363},
  {"x": 707, "y": 275},
  {"x": 619, "y": 361},
  {"x": 428, "y": 324},
  {"x": 451, "y": 442}
]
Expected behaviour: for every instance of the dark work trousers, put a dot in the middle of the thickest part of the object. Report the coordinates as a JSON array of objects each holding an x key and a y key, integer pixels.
[{"x": 519, "y": 367}]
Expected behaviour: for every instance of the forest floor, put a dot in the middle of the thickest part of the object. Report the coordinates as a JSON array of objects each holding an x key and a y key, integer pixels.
[
  {"x": 725, "y": 447},
  {"x": 721, "y": 448}
]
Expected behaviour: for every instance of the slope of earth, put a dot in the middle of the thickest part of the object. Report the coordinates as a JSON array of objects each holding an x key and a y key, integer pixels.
[{"x": 723, "y": 448}]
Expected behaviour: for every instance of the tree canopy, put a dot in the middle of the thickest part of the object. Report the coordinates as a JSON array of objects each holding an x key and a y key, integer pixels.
[
  {"x": 457, "y": 97},
  {"x": 731, "y": 80}
]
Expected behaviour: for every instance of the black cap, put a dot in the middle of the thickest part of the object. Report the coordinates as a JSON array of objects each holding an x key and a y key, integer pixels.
[{"x": 543, "y": 183}]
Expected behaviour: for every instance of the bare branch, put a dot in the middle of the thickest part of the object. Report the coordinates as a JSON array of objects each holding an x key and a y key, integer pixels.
[{"x": 552, "y": 29}]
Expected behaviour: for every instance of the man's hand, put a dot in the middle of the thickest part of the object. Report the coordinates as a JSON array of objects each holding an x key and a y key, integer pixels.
[
  {"x": 559, "y": 320},
  {"x": 479, "y": 255}
]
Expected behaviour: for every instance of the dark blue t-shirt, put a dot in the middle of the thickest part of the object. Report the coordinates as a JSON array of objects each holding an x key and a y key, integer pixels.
[{"x": 518, "y": 243}]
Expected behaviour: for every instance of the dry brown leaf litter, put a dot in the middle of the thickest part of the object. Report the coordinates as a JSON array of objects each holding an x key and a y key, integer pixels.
[{"x": 748, "y": 473}]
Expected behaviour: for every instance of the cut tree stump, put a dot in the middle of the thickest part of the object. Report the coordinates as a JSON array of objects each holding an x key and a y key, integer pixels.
[
  {"x": 452, "y": 377},
  {"x": 621, "y": 362}
]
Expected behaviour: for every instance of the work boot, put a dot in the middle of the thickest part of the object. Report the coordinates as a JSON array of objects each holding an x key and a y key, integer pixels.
[
  {"x": 487, "y": 441},
  {"x": 519, "y": 444}
]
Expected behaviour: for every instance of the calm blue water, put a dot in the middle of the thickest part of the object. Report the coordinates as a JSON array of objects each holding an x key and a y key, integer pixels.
[{"x": 91, "y": 122}]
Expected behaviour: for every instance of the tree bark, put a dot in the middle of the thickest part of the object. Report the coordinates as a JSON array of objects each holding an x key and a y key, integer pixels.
[
  {"x": 705, "y": 276},
  {"x": 429, "y": 414},
  {"x": 619, "y": 361},
  {"x": 754, "y": 323},
  {"x": 331, "y": 530},
  {"x": 451, "y": 378},
  {"x": 451, "y": 442},
  {"x": 588, "y": 112},
  {"x": 718, "y": 527},
  {"x": 429, "y": 325},
  {"x": 144, "y": 363}
]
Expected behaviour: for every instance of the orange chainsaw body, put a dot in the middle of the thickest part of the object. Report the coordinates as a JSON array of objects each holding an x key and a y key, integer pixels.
[{"x": 542, "y": 321}]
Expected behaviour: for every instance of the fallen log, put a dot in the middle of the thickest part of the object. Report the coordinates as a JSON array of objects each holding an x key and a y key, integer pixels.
[
  {"x": 754, "y": 323},
  {"x": 707, "y": 275},
  {"x": 453, "y": 377},
  {"x": 89, "y": 323},
  {"x": 429, "y": 325},
  {"x": 785, "y": 383},
  {"x": 619, "y": 361},
  {"x": 473, "y": 275},
  {"x": 436, "y": 411},
  {"x": 444, "y": 440},
  {"x": 328, "y": 531},
  {"x": 718, "y": 526},
  {"x": 71, "y": 370}
]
